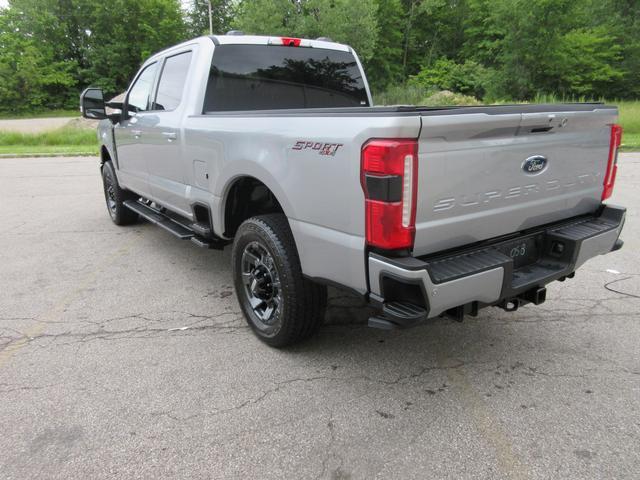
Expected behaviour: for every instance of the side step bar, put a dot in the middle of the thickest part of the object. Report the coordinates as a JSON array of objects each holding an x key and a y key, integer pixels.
[
  {"x": 174, "y": 226},
  {"x": 398, "y": 315},
  {"x": 160, "y": 219}
]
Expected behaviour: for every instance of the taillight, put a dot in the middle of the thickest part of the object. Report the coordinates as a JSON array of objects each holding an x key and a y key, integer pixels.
[
  {"x": 389, "y": 174},
  {"x": 290, "y": 42},
  {"x": 612, "y": 163}
]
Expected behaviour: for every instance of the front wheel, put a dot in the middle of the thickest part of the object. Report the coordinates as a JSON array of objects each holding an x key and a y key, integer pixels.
[
  {"x": 115, "y": 197},
  {"x": 280, "y": 305}
]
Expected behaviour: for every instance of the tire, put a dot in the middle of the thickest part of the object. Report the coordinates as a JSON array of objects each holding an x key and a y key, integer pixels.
[
  {"x": 280, "y": 305},
  {"x": 115, "y": 196}
]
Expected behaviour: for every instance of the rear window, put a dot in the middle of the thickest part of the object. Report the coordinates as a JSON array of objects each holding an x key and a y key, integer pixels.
[{"x": 266, "y": 77}]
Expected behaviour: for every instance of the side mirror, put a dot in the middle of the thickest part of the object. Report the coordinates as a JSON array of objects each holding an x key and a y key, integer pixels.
[
  {"x": 92, "y": 104},
  {"x": 115, "y": 105}
]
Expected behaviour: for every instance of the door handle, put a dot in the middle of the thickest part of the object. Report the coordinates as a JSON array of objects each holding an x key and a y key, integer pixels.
[
  {"x": 136, "y": 133},
  {"x": 170, "y": 135}
]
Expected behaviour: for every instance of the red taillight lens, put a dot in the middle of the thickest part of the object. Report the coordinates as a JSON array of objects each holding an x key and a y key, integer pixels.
[
  {"x": 290, "y": 42},
  {"x": 612, "y": 163},
  {"x": 389, "y": 179}
]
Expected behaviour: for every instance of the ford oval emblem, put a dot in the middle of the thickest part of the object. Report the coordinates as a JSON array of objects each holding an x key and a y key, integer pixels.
[{"x": 534, "y": 164}]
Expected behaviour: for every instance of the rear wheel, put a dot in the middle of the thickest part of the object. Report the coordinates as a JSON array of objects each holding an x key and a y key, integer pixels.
[
  {"x": 115, "y": 197},
  {"x": 279, "y": 304}
]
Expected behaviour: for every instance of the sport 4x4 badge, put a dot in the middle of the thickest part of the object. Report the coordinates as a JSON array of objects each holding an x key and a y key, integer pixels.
[{"x": 321, "y": 148}]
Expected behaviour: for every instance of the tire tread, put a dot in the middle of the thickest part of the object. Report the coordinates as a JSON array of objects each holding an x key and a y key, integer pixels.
[{"x": 307, "y": 303}]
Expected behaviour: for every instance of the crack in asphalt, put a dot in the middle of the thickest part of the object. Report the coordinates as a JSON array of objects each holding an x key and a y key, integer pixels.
[
  {"x": 278, "y": 386},
  {"x": 184, "y": 329},
  {"x": 29, "y": 388},
  {"x": 328, "y": 449}
]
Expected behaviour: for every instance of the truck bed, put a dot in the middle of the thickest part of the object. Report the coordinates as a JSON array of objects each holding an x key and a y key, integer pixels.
[
  {"x": 400, "y": 110},
  {"x": 471, "y": 185}
]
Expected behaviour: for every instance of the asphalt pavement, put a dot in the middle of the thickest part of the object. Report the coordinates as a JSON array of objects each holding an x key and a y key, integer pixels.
[{"x": 123, "y": 354}]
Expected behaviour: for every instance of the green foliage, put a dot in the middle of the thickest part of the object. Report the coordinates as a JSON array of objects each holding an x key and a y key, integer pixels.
[
  {"x": 51, "y": 49},
  {"x": 401, "y": 95},
  {"x": 49, "y": 150},
  {"x": 68, "y": 135},
  {"x": 497, "y": 50},
  {"x": 74, "y": 138},
  {"x": 42, "y": 113},
  {"x": 385, "y": 66},
  {"x": 467, "y": 78},
  {"x": 119, "y": 35},
  {"x": 346, "y": 21},
  {"x": 445, "y": 97},
  {"x": 197, "y": 17},
  {"x": 586, "y": 60},
  {"x": 28, "y": 78},
  {"x": 418, "y": 95},
  {"x": 629, "y": 119}
]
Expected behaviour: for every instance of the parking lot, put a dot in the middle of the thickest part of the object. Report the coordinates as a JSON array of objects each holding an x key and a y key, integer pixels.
[{"x": 123, "y": 354}]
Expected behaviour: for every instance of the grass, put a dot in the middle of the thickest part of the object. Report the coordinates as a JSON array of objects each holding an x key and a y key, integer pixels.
[
  {"x": 70, "y": 150},
  {"x": 630, "y": 121},
  {"x": 629, "y": 110},
  {"x": 41, "y": 114},
  {"x": 66, "y": 140},
  {"x": 401, "y": 95},
  {"x": 73, "y": 140}
]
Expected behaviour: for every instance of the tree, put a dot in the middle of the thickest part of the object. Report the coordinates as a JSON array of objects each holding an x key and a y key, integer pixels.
[
  {"x": 57, "y": 47},
  {"x": 121, "y": 34},
  {"x": 468, "y": 78},
  {"x": 385, "y": 67},
  {"x": 344, "y": 21},
  {"x": 506, "y": 49},
  {"x": 30, "y": 76},
  {"x": 585, "y": 62},
  {"x": 197, "y": 17}
]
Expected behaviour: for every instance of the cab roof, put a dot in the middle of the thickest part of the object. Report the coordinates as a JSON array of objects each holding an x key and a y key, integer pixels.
[{"x": 241, "y": 39}]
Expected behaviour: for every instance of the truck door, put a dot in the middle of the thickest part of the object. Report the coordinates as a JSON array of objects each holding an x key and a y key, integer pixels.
[
  {"x": 130, "y": 133},
  {"x": 163, "y": 145}
]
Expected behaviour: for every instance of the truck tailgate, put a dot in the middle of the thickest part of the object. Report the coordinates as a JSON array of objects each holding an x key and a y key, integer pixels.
[{"x": 483, "y": 175}]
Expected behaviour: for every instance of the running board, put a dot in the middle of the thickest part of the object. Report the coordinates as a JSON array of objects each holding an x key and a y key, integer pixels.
[
  {"x": 160, "y": 219},
  {"x": 172, "y": 224}
]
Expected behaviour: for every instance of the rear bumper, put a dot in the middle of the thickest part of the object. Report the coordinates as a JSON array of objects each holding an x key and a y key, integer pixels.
[{"x": 466, "y": 279}]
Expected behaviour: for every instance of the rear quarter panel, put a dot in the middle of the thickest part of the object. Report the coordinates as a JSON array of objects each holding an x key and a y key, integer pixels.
[{"x": 320, "y": 193}]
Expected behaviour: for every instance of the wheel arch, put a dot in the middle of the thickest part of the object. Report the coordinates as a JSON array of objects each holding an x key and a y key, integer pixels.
[
  {"x": 105, "y": 156},
  {"x": 245, "y": 196}
]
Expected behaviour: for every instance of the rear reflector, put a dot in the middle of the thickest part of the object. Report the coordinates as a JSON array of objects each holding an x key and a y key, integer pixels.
[
  {"x": 612, "y": 162},
  {"x": 390, "y": 215}
]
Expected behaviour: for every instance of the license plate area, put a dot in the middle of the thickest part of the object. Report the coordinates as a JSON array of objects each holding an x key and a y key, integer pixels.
[{"x": 523, "y": 251}]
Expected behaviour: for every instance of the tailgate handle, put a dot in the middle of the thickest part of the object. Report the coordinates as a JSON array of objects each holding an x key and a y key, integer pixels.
[{"x": 541, "y": 129}]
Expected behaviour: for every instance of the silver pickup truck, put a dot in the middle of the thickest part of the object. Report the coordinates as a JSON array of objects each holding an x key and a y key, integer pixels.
[{"x": 273, "y": 145}]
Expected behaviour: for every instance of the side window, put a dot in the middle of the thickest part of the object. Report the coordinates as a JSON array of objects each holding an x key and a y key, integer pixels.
[
  {"x": 141, "y": 89},
  {"x": 172, "y": 79}
]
